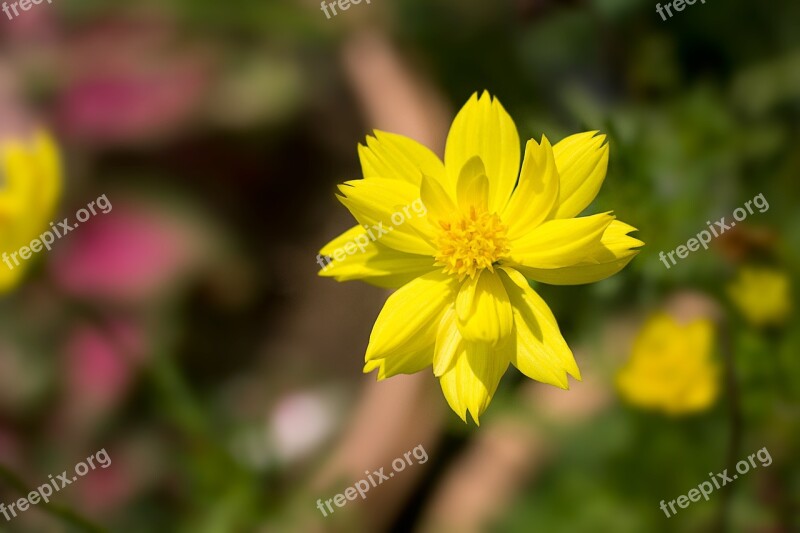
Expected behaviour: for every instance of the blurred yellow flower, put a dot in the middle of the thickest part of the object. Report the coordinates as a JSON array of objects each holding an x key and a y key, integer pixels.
[
  {"x": 671, "y": 367},
  {"x": 30, "y": 186},
  {"x": 464, "y": 304},
  {"x": 763, "y": 295}
]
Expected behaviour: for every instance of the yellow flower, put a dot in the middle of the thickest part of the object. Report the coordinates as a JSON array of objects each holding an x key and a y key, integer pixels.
[
  {"x": 671, "y": 367},
  {"x": 763, "y": 295},
  {"x": 30, "y": 186},
  {"x": 462, "y": 266}
]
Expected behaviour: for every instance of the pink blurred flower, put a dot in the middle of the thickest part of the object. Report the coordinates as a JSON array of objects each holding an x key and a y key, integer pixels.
[
  {"x": 100, "y": 368},
  {"x": 118, "y": 109},
  {"x": 142, "y": 87},
  {"x": 133, "y": 254},
  {"x": 100, "y": 364},
  {"x": 32, "y": 27}
]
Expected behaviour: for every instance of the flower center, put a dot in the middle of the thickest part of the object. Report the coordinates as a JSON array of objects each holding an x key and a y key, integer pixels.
[{"x": 471, "y": 243}]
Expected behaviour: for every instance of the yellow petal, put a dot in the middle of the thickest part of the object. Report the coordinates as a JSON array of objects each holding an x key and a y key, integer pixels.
[
  {"x": 541, "y": 351},
  {"x": 339, "y": 242},
  {"x": 700, "y": 335},
  {"x": 701, "y": 393},
  {"x": 603, "y": 258},
  {"x": 401, "y": 362},
  {"x": 410, "y": 317},
  {"x": 437, "y": 200},
  {"x": 48, "y": 161},
  {"x": 483, "y": 309},
  {"x": 763, "y": 295},
  {"x": 537, "y": 191},
  {"x": 379, "y": 203},
  {"x": 582, "y": 161},
  {"x": 20, "y": 180},
  {"x": 560, "y": 243},
  {"x": 671, "y": 367},
  {"x": 454, "y": 382},
  {"x": 30, "y": 185},
  {"x": 377, "y": 264},
  {"x": 485, "y": 129},
  {"x": 392, "y": 156},
  {"x": 470, "y": 384},
  {"x": 472, "y": 189},
  {"x": 448, "y": 343}
]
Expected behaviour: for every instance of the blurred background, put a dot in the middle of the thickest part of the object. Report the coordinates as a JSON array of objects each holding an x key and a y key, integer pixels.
[{"x": 187, "y": 333}]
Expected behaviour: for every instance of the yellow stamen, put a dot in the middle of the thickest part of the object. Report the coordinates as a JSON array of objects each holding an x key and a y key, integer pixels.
[{"x": 471, "y": 243}]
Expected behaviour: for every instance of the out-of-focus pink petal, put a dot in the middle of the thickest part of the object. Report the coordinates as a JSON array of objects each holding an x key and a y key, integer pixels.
[
  {"x": 100, "y": 368},
  {"x": 113, "y": 109},
  {"x": 144, "y": 86},
  {"x": 132, "y": 254},
  {"x": 30, "y": 28},
  {"x": 97, "y": 370}
]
